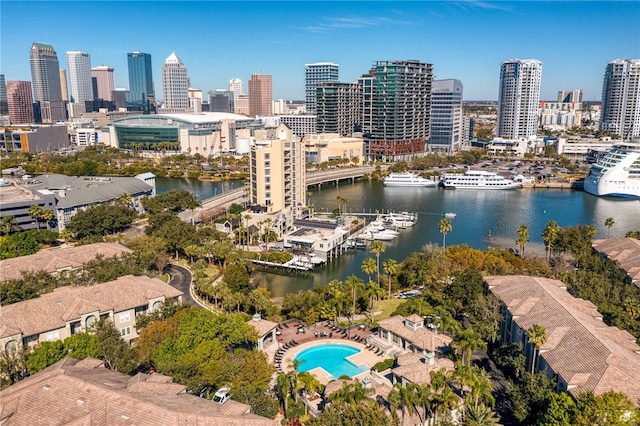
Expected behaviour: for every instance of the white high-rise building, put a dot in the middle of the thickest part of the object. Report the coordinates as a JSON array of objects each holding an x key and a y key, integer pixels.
[
  {"x": 519, "y": 98},
  {"x": 314, "y": 74},
  {"x": 175, "y": 85},
  {"x": 236, "y": 86},
  {"x": 79, "y": 73},
  {"x": 621, "y": 98},
  {"x": 446, "y": 115}
]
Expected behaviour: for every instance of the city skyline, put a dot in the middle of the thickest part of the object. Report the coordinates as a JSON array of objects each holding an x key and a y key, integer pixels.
[{"x": 465, "y": 40}]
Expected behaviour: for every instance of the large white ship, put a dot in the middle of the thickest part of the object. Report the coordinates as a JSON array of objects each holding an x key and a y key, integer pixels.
[
  {"x": 617, "y": 173},
  {"x": 407, "y": 179},
  {"x": 478, "y": 179}
]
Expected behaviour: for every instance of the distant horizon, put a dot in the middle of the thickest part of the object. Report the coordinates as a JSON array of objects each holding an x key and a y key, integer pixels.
[{"x": 218, "y": 41}]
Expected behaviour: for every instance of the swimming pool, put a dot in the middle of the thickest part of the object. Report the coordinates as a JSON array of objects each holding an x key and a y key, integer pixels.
[{"x": 331, "y": 358}]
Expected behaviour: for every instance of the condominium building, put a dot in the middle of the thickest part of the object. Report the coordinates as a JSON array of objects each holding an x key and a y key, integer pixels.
[
  {"x": 570, "y": 96},
  {"x": 314, "y": 75},
  {"x": 338, "y": 108},
  {"x": 300, "y": 125},
  {"x": 366, "y": 83},
  {"x": 260, "y": 95},
  {"x": 236, "y": 86},
  {"x": 45, "y": 78},
  {"x": 519, "y": 98},
  {"x": 19, "y": 102},
  {"x": 103, "y": 75},
  {"x": 79, "y": 72},
  {"x": 278, "y": 172},
  {"x": 446, "y": 116},
  {"x": 141, "y": 95},
  {"x": 560, "y": 114},
  {"x": 401, "y": 116},
  {"x": 621, "y": 98},
  {"x": 175, "y": 85}
]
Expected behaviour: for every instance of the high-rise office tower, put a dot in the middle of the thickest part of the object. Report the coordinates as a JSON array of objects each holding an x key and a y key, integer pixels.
[
  {"x": 519, "y": 98},
  {"x": 141, "y": 95},
  {"x": 338, "y": 108},
  {"x": 63, "y": 85},
  {"x": 574, "y": 96},
  {"x": 79, "y": 72},
  {"x": 175, "y": 85},
  {"x": 401, "y": 112},
  {"x": 104, "y": 80},
  {"x": 236, "y": 86},
  {"x": 4, "y": 108},
  {"x": 260, "y": 95},
  {"x": 20, "y": 102},
  {"x": 45, "y": 77},
  {"x": 621, "y": 98},
  {"x": 314, "y": 75},
  {"x": 446, "y": 115},
  {"x": 221, "y": 100}
]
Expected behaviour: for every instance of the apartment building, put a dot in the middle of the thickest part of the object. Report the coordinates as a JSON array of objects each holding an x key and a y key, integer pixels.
[
  {"x": 519, "y": 98},
  {"x": 338, "y": 108},
  {"x": 621, "y": 98}
]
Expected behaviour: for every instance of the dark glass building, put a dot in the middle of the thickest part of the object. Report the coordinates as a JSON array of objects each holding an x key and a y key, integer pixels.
[{"x": 141, "y": 96}]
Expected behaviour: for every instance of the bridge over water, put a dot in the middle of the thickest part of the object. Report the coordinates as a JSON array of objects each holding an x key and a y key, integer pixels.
[{"x": 241, "y": 195}]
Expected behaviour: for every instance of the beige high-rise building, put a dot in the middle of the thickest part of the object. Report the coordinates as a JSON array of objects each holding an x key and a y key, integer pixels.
[
  {"x": 104, "y": 81},
  {"x": 260, "y": 95},
  {"x": 63, "y": 85},
  {"x": 278, "y": 181}
]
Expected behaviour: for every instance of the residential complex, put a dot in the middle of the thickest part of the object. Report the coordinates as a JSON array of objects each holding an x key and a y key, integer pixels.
[
  {"x": 141, "y": 92},
  {"x": 401, "y": 109},
  {"x": 574, "y": 96},
  {"x": 19, "y": 102},
  {"x": 86, "y": 392},
  {"x": 314, "y": 75},
  {"x": 519, "y": 98},
  {"x": 79, "y": 73},
  {"x": 260, "y": 95},
  {"x": 338, "y": 108},
  {"x": 103, "y": 76},
  {"x": 560, "y": 114},
  {"x": 446, "y": 116},
  {"x": 300, "y": 124},
  {"x": 621, "y": 98},
  {"x": 581, "y": 352},
  {"x": 71, "y": 310},
  {"x": 175, "y": 86},
  {"x": 45, "y": 79}
]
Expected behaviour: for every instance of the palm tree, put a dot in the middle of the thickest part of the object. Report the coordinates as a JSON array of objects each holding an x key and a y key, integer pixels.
[
  {"x": 351, "y": 393},
  {"x": 466, "y": 342},
  {"x": 35, "y": 211},
  {"x": 376, "y": 248},
  {"x": 446, "y": 401},
  {"x": 481, "y": 389},
  {"x": 391, "y": 268},
  {"x": 282, "y": 389},
  {"x": 354, "y": 284},
  {"x": 444, "y": 226},
  {"x": 523, "y": 237},
  {"x": 549, "y": 235},
  {"x": 401, "y": 398},
  {"x": 373, "y": 291},
  {"x": 537, "y": 337},
  {"x": 9, "y": 225},
  {"x": 609, "y": 223},
  {"x": 47, "y": 215},
  {"x": 368, "y": 267},
  {"x": 479, "y": 415}
]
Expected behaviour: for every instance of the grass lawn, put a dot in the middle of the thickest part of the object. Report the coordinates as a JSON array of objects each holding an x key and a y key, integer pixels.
[{"x": 386, "y": 307}]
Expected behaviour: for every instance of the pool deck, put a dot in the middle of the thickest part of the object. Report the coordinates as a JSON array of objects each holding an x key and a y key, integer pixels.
[{"x": 308, "y": 338}]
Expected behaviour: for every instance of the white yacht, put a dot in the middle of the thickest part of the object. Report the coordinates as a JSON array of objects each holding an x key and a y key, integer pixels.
[
  {"x": 407, "y": 179},
  {"x": 478, "y": 179},
  {"x": 617, "y": 173}
]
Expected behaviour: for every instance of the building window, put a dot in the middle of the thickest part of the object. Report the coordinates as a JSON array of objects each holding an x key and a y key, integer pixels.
[
  {"x": 156, "y": 305},
  {"x": 76, "y": 327},
  {"x": 125, "y": 331},
  {"x": 54, "y": 335},
  {"x": 89, "y": 321},
  {"x": 125, "y": 316},
  {"x": 11, "y": 346}
]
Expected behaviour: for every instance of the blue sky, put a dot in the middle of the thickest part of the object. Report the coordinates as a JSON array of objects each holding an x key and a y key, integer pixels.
[{"x": 219, "y": 40}]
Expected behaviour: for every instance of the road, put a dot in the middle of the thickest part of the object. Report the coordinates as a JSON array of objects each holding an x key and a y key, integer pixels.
[{"x": 181, "y": 279}]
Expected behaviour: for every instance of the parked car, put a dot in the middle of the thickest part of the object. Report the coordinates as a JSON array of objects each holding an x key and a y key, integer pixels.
[{"x": 222, "y": 395}]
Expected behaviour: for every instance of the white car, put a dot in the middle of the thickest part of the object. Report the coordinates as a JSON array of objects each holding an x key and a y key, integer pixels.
[{"x": 222, "y": 395}]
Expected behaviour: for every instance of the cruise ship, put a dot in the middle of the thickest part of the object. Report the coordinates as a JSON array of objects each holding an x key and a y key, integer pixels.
[
  {"x": 617, "y": 173},
  {"x": 478, "y": 179},
  {"x": 407, "y": 179}
]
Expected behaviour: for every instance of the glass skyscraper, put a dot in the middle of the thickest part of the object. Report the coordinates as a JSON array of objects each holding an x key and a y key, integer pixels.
[
  {"x": 314, "y": 75},
  {"x": 141, "y": 94},
  {"x": 45, "y": 78}
]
